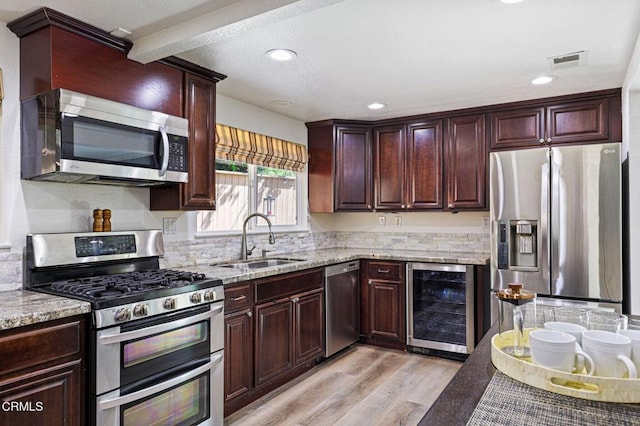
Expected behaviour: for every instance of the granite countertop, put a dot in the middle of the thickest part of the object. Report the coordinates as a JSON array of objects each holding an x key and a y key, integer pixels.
[
  {"x": 319, "y": 258},
  {"x": 23, "y": 307}
]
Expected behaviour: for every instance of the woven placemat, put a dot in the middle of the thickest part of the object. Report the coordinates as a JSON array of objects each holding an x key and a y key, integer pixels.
[{"x": 509, "y": 402}]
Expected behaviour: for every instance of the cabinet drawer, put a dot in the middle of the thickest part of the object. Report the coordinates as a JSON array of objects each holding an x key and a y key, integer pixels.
[
  {"x": 237, "y": 297},
  {"x": 385, "y": 270},
  {"x": 287, "y": 285},
  {"x": 31, "y": 347}
]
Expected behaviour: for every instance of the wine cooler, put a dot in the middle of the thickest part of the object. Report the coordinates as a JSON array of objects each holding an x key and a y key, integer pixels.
[{"x": 440, "y": 307}]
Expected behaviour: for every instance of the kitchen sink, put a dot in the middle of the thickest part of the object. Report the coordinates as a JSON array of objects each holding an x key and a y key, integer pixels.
[{"x": 259, "y": 263}]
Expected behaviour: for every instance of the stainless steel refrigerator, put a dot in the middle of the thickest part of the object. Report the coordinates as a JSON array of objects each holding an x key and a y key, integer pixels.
[{"x": 556, "y": 222}]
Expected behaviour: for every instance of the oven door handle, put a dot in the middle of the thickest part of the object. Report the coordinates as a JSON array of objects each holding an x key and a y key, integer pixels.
[
  {"x": 160, "y": 328},
  {"x": 160, "y": 387}
]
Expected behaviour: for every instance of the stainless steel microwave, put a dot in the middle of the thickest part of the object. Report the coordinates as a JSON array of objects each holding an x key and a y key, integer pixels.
[{"x": 75, "y": 138}]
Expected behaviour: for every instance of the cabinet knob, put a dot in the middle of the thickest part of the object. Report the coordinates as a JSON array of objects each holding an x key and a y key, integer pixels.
[
  {"x": 295, "y": 299},
  {"x": 369, "y": 206},
  {"x": 404, "y": 207},
  {"x": 450, "y": 205},
  {"x": 541, "y": 140},
  {"x": 548, "y": 140}
]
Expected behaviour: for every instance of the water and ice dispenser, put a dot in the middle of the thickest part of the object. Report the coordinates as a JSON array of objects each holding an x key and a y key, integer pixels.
[{"x": 517, "y": 245}]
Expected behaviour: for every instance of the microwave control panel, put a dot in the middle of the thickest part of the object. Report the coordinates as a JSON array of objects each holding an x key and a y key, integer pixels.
[{"x": 177, "y": 154}]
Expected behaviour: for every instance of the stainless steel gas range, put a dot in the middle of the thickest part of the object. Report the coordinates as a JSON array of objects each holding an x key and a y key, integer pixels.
[{"x": 157, "y": 335}]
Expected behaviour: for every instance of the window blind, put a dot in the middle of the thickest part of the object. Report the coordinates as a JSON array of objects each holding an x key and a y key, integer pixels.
[{"x": 248, "y": 147}]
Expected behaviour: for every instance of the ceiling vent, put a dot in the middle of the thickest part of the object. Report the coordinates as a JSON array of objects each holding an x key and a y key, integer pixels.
[{"x": 568, "y": 60}]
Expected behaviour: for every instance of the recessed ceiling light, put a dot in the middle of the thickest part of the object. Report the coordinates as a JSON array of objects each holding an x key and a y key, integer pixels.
[
  {"x": 281, "y": 55},
  {"x": 280, "y": 103},
  {"x": 543, "y": 79},
  {"x": 510, "y": 1},
  {"x": 377, "y": 105}
]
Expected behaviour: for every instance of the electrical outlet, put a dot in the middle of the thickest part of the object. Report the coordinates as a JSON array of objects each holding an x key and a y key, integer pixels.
[
  {"x": 398, "y": 220},
  {"x": 382, "y": 220},
  {"x": 485, "y": 223},
  {"x": 169, "y": 225}
]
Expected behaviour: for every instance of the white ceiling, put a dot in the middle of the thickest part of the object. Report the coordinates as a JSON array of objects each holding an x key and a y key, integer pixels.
[{"x": 417, "y": 56}]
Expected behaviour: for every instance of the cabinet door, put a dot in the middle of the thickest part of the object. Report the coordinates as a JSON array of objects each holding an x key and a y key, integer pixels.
[
  {"x": 584, "y": 121},
  {"x": 309, "y": 325},
  {"x": 238, "y": 350},
  {"x": 352, "y": 169},
  {"x": 466, "y": 162},
  {"x": 385, "y": 312},
  {"x": 424, "y": 165},
  {"x": 389, "y": 167},
  {"x": 517, "y": 128},
  {"x": 53, "y": 396},
  {"x": 273, "y": 340},
  {"x": 200, "y": 192}
]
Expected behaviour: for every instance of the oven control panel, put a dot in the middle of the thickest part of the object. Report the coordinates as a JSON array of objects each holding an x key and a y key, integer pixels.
[{"x": 148, "y": 308}]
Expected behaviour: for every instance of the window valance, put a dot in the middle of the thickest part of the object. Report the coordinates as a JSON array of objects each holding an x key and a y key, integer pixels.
[{"x": 253, "y": 148}]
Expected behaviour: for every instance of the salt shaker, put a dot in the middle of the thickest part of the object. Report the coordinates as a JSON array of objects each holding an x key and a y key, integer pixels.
[{"x": 98, "y": 221}]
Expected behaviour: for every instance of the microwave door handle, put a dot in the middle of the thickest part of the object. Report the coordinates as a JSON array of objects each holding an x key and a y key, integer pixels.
[
  {"x": 165, "y": 151},
  {"x": 141, "y": 394}
]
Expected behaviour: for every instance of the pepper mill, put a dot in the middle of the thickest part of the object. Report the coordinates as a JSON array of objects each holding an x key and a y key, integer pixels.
[
  {"x": 106, "y": 224},
  {"x": 98, "y": 221}
]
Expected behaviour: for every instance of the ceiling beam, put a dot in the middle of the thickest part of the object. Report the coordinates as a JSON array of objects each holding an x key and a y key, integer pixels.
[{"x": 218, "y": 25}]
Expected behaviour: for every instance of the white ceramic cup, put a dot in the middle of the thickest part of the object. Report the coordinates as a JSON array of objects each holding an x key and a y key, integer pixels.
[
  {"x": 611, "y": 353},
  {"x": 573, "y": 329},
  {"x": 634, "y": 335},
  {"x": 559, "y": 351}
]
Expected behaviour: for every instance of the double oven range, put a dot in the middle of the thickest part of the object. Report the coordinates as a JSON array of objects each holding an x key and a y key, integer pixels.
[{"x": 156, "y": 340}]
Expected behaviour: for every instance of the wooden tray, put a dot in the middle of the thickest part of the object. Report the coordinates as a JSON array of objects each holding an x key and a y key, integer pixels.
[{"x": 595, "y": 388}]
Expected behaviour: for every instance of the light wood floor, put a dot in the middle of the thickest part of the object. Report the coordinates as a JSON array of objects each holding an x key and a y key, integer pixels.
[{"x": 362, "y": 386}]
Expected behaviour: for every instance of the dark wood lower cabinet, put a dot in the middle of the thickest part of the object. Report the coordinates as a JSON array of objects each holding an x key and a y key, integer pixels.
[
  {"x": 238, "y": 354},
  {"x": 382, "y": 294},
  {"x": 42, "y": 371},
  {"x": 274, "y": 333},
  {"x": 274, "y": 340}
]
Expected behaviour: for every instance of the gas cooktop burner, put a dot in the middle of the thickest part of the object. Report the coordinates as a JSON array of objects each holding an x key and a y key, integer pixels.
[{"x": 110, "y": 290}]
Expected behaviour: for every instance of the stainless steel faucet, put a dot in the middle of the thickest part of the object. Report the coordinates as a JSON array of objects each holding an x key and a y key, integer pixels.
[{"x": 244, "y": 252}]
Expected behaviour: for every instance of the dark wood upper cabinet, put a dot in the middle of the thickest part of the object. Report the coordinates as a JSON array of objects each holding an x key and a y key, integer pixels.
[
  {"x": 466, "y": 163},
  {"x": 408, "y": 166},
  {"x": 56, "y": 56},
  {"x": 390, "y": 175},
  {"x": 340, "y": 166},
  {"x": 594, "y": 119},
  {"x": 424, "y": 165},
  {"x": 517, "y": 128},
  {"x": 200, "y": 192}
]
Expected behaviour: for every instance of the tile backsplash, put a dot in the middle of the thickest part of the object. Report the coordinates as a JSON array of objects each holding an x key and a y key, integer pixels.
[{"x": 223, "y": 249}]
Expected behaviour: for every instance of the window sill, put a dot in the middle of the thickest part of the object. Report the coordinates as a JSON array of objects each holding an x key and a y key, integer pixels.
[{"x": 204, "y": 234}]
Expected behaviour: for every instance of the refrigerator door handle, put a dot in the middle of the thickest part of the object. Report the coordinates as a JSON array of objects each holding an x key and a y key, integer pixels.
[
  {"x": 556, "y": 210},
  {"x": 544, "y": 221}
]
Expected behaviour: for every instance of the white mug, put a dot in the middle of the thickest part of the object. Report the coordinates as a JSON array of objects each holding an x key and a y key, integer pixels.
[
  {"x": 611, "y": 353},
  {"x": 568, "y": 327},
  {"x": 634, "y": 335},
  {"x": 559, "y": 351}
]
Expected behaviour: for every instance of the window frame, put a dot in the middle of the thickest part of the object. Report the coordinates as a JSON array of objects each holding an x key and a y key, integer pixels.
[{"x": 258, "y": 226}]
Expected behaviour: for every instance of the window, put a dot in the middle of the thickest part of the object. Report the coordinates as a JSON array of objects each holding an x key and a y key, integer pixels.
[{"x": 243, "y": 188}]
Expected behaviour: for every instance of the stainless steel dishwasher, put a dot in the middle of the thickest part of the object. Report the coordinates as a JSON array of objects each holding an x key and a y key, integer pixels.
[{"x": 342, "y": 302}]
